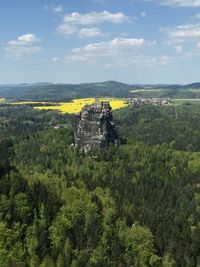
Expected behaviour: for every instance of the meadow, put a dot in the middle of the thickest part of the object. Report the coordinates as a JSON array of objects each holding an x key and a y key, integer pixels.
[
  {"x": 195, "y": 90},
  {"x": 145, "y": 90},
  {"x": 186, "y": 101}
]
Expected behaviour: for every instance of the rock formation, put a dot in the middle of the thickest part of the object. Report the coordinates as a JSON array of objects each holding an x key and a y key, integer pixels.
[{"x": 94, "y": 127}]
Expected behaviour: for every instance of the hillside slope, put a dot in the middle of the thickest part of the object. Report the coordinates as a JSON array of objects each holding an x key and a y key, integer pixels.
[{"x": 66, "y": 92}]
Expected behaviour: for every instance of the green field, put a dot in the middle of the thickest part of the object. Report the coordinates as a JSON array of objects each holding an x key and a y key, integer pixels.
[
  {"x": 145, "y": 90},
  {"x": 187, "y": 100},
  {"x": 195, "y": 90}
]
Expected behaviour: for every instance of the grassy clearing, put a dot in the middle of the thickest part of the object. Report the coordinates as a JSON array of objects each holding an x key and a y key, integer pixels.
[
  {"x": 187, "y": 100},
  {"x": 145, "y": 90},
  {"x": 196, "y": 90}
]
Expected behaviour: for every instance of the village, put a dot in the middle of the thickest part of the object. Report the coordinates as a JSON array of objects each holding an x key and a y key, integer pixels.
[{"x": 149, "y": 101}]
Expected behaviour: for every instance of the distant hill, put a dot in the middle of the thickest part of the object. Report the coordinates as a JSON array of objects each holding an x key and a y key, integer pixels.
[
  {"x": 65, "y": 92},
  {"x": 193, "y": 85}
]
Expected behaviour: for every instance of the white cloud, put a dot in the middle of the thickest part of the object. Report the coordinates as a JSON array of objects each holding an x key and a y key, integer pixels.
[
  {"x": 24, "y": 45},
  {"x": 24, "y": 40},
  {"x": 103, "y": 49},
  {"x": 157, "y": 60},
  {"x": 55, "y": 59},
  {"x": 91, "y": 32},
  {"x": 186, "y": 36},
  {"x": 141, "y": 60},
  {"x": 181, "y": 3},
  {"x": 143, "y": 14},
  {"x": 117, "y": 53},
  {"x": 73, "y": 23},
  {"x": 94, "y": 18},
  {"x": 102, "y": 2},
  {"x": 106, "y": 48},
  {"x": 54, "y": 8},
  {"x": 68, "y": 29},
  {"x": 183, "y": 32},
  {"x": 58, "y": 8},
  {"x": 163, "y": 60},
  {"x": 198, "y": 45},
  {"x": 179, "y": 49},
  {"x": 196, "y": 16}
]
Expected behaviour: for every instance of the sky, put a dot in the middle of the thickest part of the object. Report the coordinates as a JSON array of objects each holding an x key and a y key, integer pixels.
[{"x": 77, "y": 41}]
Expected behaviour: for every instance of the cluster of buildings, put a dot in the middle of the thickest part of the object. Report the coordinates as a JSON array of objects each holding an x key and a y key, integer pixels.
[{"x": 149, "y": 101}]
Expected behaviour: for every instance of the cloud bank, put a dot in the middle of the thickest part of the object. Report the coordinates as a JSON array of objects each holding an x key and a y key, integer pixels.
[{"x": 86, "y": 24}]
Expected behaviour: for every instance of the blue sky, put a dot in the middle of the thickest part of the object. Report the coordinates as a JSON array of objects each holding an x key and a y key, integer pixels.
[{"x": 74, "y": 41}]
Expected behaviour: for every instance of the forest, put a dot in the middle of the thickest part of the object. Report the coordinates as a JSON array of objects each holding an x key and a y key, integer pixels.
[{"x": 134, "y": 205}]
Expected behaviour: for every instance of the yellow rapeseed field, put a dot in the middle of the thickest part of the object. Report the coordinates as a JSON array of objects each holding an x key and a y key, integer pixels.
[
  {"x": 77, "y": 104},
  {"x": 2, "y": 99}
]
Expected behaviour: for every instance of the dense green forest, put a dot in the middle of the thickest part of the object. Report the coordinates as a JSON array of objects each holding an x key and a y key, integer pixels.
[
  {"x": 137, "y": 205},
  {"x": 67, "y": 92}
]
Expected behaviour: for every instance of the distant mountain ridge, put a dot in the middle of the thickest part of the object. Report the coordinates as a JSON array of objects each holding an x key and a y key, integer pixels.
[
  {"x": 65, "y": 92},
  {"x": 193, "y": 85},
  {"x": 58, "y": 92}
]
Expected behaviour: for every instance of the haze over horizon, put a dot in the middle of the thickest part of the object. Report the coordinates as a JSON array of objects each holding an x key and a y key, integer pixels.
[
  {"x": 131, "y": 41},
  {"x": 95, "y": 82}
]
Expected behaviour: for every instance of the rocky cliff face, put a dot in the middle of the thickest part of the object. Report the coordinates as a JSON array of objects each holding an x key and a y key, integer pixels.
[{"x": 94, "y": 127}]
